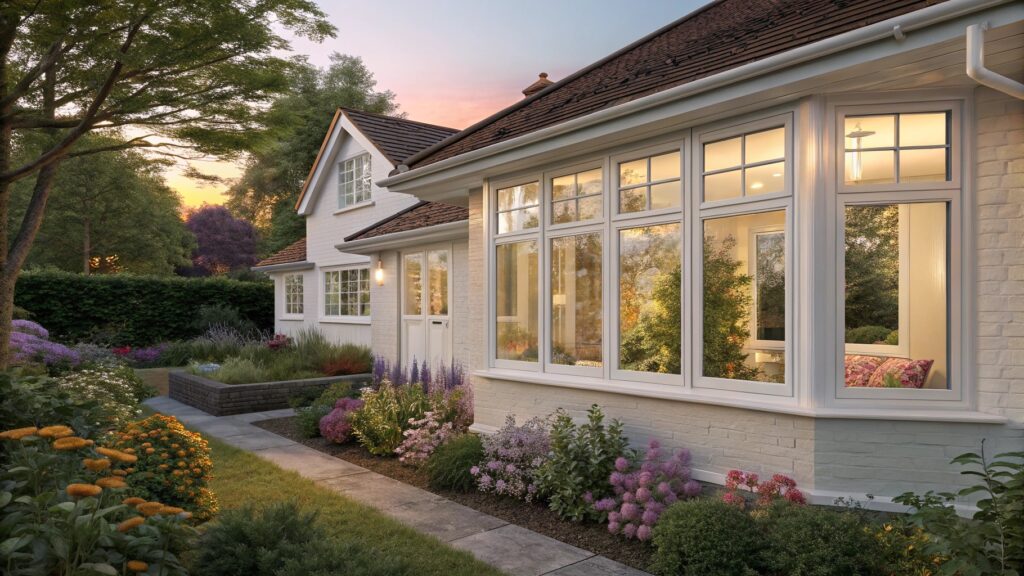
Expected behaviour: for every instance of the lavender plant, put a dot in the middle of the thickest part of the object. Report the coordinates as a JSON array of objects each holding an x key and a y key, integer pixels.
[
  {"x": 30, "y": 344},
  {"x": 512, "y": 456}
]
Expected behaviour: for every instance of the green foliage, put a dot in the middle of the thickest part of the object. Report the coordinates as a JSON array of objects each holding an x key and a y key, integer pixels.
[
  {"x": 581, "y": 460},
  {"x": 140, "y": 310},
  {"x": 727, "y": 301},
  {"x": 379, "y": 424},
  {"x": 32, "y": 400},
  {"x": 872, "y": 266},
  {"x": 811, "y": 541},
  {"x": 992, "y": 541},
  {"x": 868, "y": 335},
  {"x": 448, "y": 467},
  {"x": 308, "y": 417},
  {"x": 656, "y": 341},
  {"x": 114, "y": 390},
  {"x": 222, "y": 315},
  {"x": 705, "y": 537}
]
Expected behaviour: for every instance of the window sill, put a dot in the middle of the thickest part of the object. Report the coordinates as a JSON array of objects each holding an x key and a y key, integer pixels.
[
  {"x": 366, "y": 204},
  {"x": 345, "y": 320},
  {"x": 292, "y": 318},
  {"x": 757, "y": 402}
]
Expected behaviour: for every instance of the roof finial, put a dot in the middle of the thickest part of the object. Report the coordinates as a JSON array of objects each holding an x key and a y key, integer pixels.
[{"x": 541, "y": 83}]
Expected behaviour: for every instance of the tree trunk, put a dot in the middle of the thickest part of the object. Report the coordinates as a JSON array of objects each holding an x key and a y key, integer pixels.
[{"x": 86, "y": 246}]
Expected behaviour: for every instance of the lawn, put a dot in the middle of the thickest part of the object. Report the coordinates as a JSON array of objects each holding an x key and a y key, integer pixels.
[{"x": 242, "y": 478}]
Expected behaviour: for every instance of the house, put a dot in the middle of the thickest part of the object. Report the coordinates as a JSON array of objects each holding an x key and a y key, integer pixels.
[{"x": 788, "y": 236}]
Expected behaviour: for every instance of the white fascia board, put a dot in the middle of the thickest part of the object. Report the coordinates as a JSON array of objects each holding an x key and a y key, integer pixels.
[
  {"x": 429, "y": 234},
  {"x": 919, "y": 29},
  {"x": 285, "y": 267}
]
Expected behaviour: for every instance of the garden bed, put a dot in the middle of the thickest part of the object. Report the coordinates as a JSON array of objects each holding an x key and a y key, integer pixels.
[
  {"x": 221, "y": 399},
  {"x": 537, "y": 517}
]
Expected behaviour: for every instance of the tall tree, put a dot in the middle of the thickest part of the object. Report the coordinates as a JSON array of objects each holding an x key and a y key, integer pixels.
[
  {"x": 267, "y": 191},
  {"x": 198, "y": 73},
  {"x": 223, "y": 242}
]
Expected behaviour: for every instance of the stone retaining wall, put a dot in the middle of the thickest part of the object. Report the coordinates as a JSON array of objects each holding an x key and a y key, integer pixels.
[{"x": 221, "y": 399}]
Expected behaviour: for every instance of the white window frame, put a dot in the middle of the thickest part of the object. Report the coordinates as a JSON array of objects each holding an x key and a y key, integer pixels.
[
  {"x": 343, "y": 318},
  {"x": 362, "y": 186},
  {"x": 959, "y": 327},
  {"x": 286, "y": 305}
]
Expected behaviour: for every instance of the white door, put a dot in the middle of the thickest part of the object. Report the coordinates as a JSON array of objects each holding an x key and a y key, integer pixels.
[{"x": 426, "y": 304}]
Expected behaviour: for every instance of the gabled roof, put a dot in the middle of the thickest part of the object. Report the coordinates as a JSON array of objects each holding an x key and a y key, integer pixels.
[
  {"x": 723, "y": 35},
  {"x": 397, "y": 138},
  {"x": 293, "y": 253},
  {"x": 418, "y": 216}
]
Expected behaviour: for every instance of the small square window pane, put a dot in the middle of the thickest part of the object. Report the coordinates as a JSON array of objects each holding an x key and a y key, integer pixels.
[
  {"x": 563, "y": 187},
  {"x": 723, "y": 154},
  {"x": 633, "y": 200},
  {"x": 923, "y": 129},
  {"x": 870, "y": 167},
  {"x": 634, "y": 172},
  {"x": 722, "y": 186},
  {"x": 870, "y": 131},
  {"x": 563, "y": 211},
  {"x": 589, "y": 182},
  {"x": 665, "y": 195},
  {"x": 517, "y": 220},
  {"x": 766, "y": 145},
  {"x": 665, "y": 166},
  {"x": 923, "y": 165},
  {"x": 589, "y": 208},
  {"x": 766, "y": 179}
]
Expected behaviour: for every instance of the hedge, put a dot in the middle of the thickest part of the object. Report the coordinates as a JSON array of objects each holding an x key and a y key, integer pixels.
[{"x": 134, "y": 310}]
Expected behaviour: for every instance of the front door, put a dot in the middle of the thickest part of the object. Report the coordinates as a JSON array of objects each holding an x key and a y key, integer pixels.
[{"x": 426, "y": 290}]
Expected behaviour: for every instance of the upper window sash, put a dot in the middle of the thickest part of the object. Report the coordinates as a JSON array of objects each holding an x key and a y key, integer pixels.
[
  {"x": 649, "y": 180},
  {"x": 747, "y": 162},
  {"x": 518, "y": 207},
  {"x": 575, "y": 195}
]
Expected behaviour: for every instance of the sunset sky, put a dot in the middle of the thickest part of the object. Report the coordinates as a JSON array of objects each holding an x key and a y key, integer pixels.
[{"x": 454, "y": 62}]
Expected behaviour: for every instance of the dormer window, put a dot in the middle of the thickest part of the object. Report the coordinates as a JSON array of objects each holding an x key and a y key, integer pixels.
[{"x": 354, "y": 181}]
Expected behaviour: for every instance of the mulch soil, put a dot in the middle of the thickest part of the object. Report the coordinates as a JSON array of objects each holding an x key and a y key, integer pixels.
[{"x": 537, "y": 517}]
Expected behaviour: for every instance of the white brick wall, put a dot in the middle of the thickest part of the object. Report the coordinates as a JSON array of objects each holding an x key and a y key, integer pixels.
[{"x": 385, "y": 302}]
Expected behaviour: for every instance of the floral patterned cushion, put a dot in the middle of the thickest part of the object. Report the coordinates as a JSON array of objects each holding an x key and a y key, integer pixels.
[
  {"x": 903, "y": 372},
  {"x": 860, "y": 368}
]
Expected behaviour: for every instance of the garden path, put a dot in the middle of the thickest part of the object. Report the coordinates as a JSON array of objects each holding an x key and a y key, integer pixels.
[{"x": 510, "y": 548}]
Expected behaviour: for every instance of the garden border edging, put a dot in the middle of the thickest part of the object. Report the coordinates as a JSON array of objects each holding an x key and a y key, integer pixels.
[{"x": 221, "y": 399}]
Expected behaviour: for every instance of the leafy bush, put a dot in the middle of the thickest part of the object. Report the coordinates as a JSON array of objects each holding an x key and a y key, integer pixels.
[
  {"x": 308, "y": 417},
  {"x": 224, "y": 316},
  {"x": 173, "y": 466},
  {"x": 115, "y": 390},
  {"x": 867, "y": 334},
  {"x": 705, "y": 537},
  {"x": 35, "y": 400},
  {"x": 423, "y": 437},
  {"x": 336, "y": 425},
  {"x": 779, "y": 487},
  {"x": 512, "y": 456},
  {"x": 992, "y": 541},
  {"x": 816, "y": 541},
  {"x": 153, "y": 309},
  {"x": 642, "y": 493},
  {"x": 386, "y": 414},
  {"x": 448, "y": 467},
  {"x": 581, "y": 461}
]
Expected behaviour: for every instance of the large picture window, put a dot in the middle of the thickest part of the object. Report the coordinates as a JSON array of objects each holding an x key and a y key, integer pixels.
[
  {"x": 576, "y": 302},
  {"x": 650, "y": 299},
  {"x": 347, "y": 292},
  {"x": 516, "y": 298},
  {"x": 293, "y": 304},
  {"x": 354, "y": 181}
]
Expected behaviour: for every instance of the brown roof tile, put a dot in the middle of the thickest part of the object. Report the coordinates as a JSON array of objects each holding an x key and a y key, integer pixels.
[
  {"x": 418, "y": 216},
  {"x": 397, "y": 138},
  {"x": 722, "y": 35},
  {"x": 295, "y": 252}
]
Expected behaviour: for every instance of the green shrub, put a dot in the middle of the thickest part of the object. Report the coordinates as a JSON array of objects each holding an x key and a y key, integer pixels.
[
  {"x": 386, "y": 414},
  {"x": 448, "y": 467},
  {"x": 149, "y": 309},
  {"x": 867, "y": 334},
  {"x": 223, "y": 316},
  {"x": 705, "y": 537},
  {"x": 582, "y": 458},
  {"x": 36, "y": 400},
  {"x": 234, "y": 370},
  {"x": 812, "y": 541},
  {"x": 308, "y": 417}
]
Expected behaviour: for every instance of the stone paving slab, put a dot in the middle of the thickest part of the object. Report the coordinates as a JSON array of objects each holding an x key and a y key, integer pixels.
[
  {"x": 260, "y": 440},
  {"x": 308, "y": 462},
  {"x": 444, "y": 519},
  {"x": 597, "y": 566},
  {"x": 268, "y": 415},
  {"x": 521, "y": 552},
  {"x": 377, "y": 490}
]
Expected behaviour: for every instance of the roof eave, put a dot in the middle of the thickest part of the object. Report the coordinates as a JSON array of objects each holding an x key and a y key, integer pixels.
[
  {"x": 436, "y": 233},
  {"x": 284, "y": 267}
]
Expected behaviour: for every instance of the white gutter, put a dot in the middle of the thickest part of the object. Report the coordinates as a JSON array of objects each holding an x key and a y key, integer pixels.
[
  {"x": 976, "y": 65},
  {"x": 282, "y": 267},
  {"x": 897, "y": 28},
  {"x": 435, "y": 233}
]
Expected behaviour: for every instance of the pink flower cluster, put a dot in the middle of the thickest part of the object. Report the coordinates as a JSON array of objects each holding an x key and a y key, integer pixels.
[
  {"x": 642, "y": 494},
  {"x": 779, "y": 486},
  {"x": 336, "y": 426},
  {"x": 423, "y": 437},
  {"x": 279, "y": 342}
]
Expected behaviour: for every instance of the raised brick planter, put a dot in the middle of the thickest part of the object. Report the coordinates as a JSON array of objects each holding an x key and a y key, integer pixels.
[{"x": 222, "y": 399}]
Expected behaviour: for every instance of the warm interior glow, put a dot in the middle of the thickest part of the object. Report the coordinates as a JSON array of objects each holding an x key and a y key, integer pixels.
[{"x": 378, "y": 274}]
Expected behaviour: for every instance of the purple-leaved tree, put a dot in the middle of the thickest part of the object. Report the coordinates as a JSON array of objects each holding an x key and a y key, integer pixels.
[{"x": 224, "y": 243}]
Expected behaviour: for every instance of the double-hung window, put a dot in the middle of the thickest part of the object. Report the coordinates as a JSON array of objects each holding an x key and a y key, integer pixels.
[
  {"x": 354, "y": 181},
  {"x": 347, "y": 292},
  {"x": 293, "y": 297}
]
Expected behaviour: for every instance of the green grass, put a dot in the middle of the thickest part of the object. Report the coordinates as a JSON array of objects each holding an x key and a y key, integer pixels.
[{"x": 242, "y": 478}]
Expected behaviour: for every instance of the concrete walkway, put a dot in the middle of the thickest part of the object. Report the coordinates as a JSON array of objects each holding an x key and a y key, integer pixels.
[{"x": 511, "y": 548}]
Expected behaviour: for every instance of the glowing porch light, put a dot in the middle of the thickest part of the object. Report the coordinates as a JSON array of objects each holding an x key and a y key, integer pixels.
[{"x": 378, "y": 274}]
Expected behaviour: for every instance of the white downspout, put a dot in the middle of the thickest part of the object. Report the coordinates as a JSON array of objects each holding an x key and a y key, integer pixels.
[{"x": 976, "y": 65}]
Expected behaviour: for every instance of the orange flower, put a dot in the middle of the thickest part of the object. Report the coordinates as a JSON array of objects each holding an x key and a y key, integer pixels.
[
  {"x": 117, "y": 454},
  {"x": 181, "y": 453},
  {"x": 150, "y": 450},
  {"x": 96, "y": 464},
  {"x": 83, "y": 490},
  {"x": 149, "y": 508},
  {"x": 171, "y": 510},
  {"x": 137, "y": 566},
  {"x": 133, "y": 501},
  {"x": 129, "y": 450},
  {"x": 130, "y": 523},
  {"x": 119, "y": 473},
  {"x": 70, "y": 443},
  {"x": 19, "y": 433},
  {"x": 59, "y": 431},
  {"x": 182, "y": 464},
  {"x": 112, "y": 482}
]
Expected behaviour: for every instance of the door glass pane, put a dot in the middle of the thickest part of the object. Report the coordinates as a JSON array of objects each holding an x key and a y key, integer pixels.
[
  {"x": 437, "y": 299},
  {"x": 576, "y": 304},
  {"x": 413, "y": 284},
  {"x": 766, "y": 145},
  {"x": 516, "y": 301},
  {"x": 650, "y": 317}
]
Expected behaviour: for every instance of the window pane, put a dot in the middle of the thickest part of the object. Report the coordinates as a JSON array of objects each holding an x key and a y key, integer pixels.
[
  {"x": 516, "y": 301},
  {"x": 722, "y": 186},
  {"x": 518, "y": 220},
  {"x": 650, "y": 316},
  {"x": 564, "y": 211},
  {"x": 413, "y": 284},
  {"x": 437, "y": 266},
  {"x": 589, "y": 208},
  {"x": 870, "y": 131},
  {"x": 665, "y": 166},
  {"x": 590, "y": 182},
  {"x": 896, "y": 339},
  {"x": 665, "y": 195},
  {"x": 517, "y": 196},
  {"x": 576, "y": 300},
  {"x": 924, "y": 129},
  {"x": 634, "y": 172},
  {"x": 923, "y": 165},
  {"x": 870, "y": 167},
  {"x": 633, "y": 200},
  {"x": 770, "y": 285},
  {"x": 724, "y": 154},
  {"x": 731, "y": 349},
  {"x": 766, "y": 145},
  {"x": 766, "y": 179},
  {"x": 563, "y": 187}
]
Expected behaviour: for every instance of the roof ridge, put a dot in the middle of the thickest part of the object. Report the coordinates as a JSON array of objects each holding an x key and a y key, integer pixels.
[{"x": 346, "y": 109}]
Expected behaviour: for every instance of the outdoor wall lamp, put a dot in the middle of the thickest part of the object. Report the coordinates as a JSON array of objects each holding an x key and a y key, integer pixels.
[{"x": 378, "y": 274}]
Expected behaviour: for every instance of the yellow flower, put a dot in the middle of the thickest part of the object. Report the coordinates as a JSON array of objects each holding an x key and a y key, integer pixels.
[
  {"x": 70, "y": 443},
  {"x": 130, "y": 523},
  {"x": 133, "y": 501},
  {"x": 112, "y": 482},
  {"x": 59, "y": 431},
  {"x": 149, "y": 508},
  {"x": 83, "y": 490},
  {"x": 137, "y": 566},
  {"x": 19, "y": 433},
  {"x": 96, "y": 464}
]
